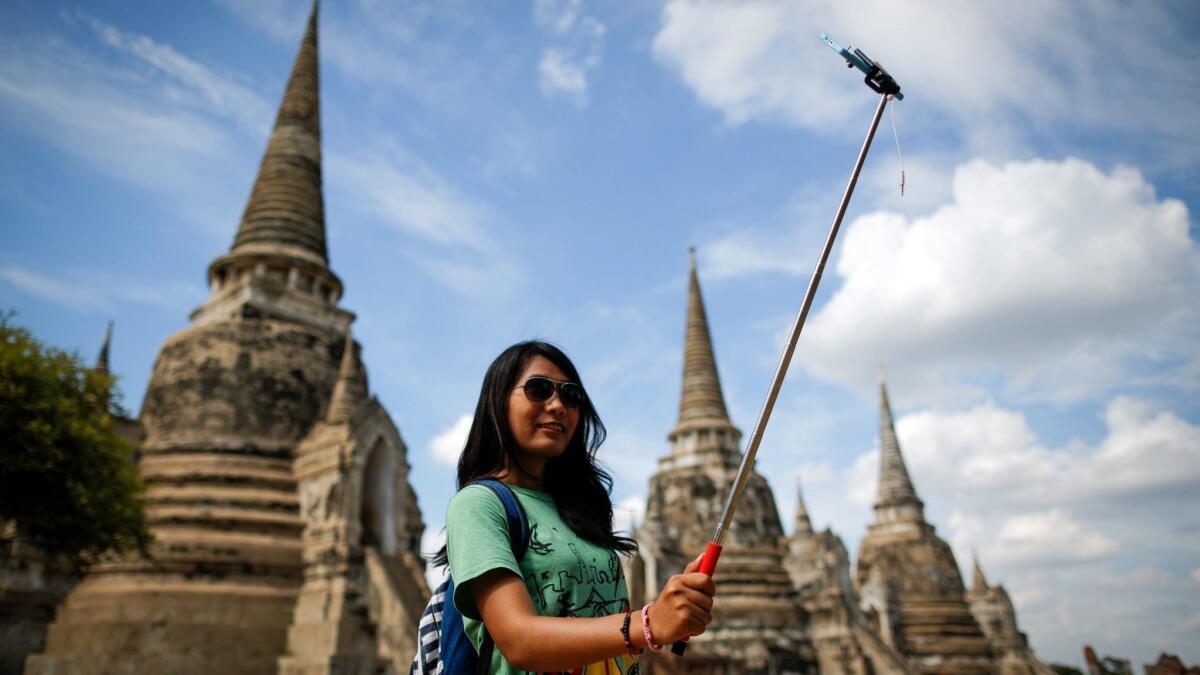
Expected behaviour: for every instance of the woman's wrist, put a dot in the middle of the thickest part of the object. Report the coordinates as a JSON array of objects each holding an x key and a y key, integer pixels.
[
  {"x": 628, "y": 631},
  {"x": 647, "y": 633}
]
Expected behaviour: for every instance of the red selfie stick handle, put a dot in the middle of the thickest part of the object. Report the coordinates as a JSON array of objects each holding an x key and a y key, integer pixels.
[{"x": 708, "y": 565}]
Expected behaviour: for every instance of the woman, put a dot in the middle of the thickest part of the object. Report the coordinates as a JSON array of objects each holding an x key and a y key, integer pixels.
[{"x": 564, "y": 606}]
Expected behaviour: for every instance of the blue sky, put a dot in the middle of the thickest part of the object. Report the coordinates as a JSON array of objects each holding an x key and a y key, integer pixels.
[{"x": 499, "y": 171}]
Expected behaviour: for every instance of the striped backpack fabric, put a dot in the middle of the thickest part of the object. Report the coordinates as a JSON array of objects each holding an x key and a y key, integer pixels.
[{"x": 442, "y": 644}]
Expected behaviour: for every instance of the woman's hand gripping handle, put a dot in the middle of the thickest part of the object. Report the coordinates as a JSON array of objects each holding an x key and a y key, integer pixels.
[
  {"x": 705, "y": 566},
  {"x": 684, "y": 607}
]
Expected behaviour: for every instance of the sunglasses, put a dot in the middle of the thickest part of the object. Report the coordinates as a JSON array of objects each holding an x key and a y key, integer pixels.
[{"x": 539, "y": 389}]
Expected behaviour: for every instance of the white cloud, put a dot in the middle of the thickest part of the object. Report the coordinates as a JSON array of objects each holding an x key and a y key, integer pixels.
[
  {"x": 1195, "y": 576},
  {"x": 1053, "y": 524},
  {"x": 71, "y": 296},
  {"x": 631, "y": 456},
  {"x": 167, "y": 118},
  {"x": 1048, "y": 536},
  {"x": 448, "y": 445},
  {"x": 403, "y": 193},
  {"x": 576, "y": 46},
  {"x": 472, "y": 277},
  {"x": 1054, "y": 276},
  {"x": 814, "y": 471},
  {"x": 1141, "y": 577},
  {"x": 1021, "y": 503},
  {"x": 391, "y": 187},
  {"x": 1057, "y": 61},
  {"x": 278, "y": 18},
  {"x": 1146, "y": 451},
  {"x": 187, "y": 81},
  {"x": 409, "y": 49},
  {"x": 557, "y": 73},
  {"x": 92, "y": 292},
  {"x": 747, "y": 251},
  {"x": 557, "y": 15},
  {"x": 993, "y": 455},
  {"x": 47, "y": 91},
  {"x": 861, "y": 477},
  {"x": 787, "y": 241},
  {"x": 628, "y": 514},
  {"x": 740, "y": 58}
]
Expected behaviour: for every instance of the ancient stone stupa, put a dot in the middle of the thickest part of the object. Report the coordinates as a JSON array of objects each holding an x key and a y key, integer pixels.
[
  {"x": 791, "y": 604},
  {"x": 820, "y": 569},
  {"x": 909, "y": 585},
  {"x": 286, "y": 531},
  {"x": 996, "y": 616},
  {"x": 758, "y": 623}
]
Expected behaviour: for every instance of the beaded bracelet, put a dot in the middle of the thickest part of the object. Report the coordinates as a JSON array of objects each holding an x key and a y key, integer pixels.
[
  {"x": 633, "y": 651},
  {"x": 650, "y": 643}
]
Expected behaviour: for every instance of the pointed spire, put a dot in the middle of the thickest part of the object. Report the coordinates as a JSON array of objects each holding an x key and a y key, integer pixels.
[
  {"x": 979, "y": 583},
  {"x": 102, "y": 359},
  {"x": 702, "y": 397},
  {"x": 286, "y": 213},
  {"x": 350, "y": 392},
  {"x": 895, "y": 487},
  {"x": 802, "y": 526}
]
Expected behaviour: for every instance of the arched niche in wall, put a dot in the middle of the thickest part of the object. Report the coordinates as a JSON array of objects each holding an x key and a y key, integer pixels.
[{"x": 378, "y": 509}]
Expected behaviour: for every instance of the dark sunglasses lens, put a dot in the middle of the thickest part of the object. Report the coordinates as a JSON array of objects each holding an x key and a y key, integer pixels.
[
  {"x": 539, "y": 389},
  {"x": 572, "y": 395}
]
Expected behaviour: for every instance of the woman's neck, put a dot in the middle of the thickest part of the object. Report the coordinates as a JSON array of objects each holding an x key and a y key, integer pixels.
[{"x": 520, "y": 479}]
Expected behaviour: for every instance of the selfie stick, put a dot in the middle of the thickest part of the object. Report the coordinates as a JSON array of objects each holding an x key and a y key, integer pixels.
[{"x": 882, "y": 83}]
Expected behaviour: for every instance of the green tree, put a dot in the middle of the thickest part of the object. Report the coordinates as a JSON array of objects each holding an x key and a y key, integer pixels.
[{"x": 67, "y": 479}]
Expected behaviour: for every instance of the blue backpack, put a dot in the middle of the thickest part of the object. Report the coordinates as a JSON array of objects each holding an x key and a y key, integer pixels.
[{"x": 443, "y": 647}]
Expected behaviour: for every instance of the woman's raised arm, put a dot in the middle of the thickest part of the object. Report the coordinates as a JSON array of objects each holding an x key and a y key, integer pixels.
[{"x": 546, "y": 643}]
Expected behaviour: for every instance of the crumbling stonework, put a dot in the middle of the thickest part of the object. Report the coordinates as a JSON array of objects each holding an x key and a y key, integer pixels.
[
  {"x": 791, "y": 604},
  {"x": 286, "y": 531},
  {"x": 820, "y": 570},
  {"x": 996, "y": 616},
  {"x": 758, "y": 622},
  {"x": 908, "y": 581},
  {"x": 31, "y": 586},
  {"x": 361, "y": 543},
  {"x": 1169, "y": 664}
]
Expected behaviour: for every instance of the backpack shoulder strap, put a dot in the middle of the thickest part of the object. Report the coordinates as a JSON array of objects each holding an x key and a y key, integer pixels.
[
  {"x": 518, "y": 522},
  {"x": 518, "y": 537}
]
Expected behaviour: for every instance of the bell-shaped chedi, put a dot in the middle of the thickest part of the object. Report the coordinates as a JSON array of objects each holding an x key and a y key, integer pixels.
[
  {"x": 704, "y": 448},
  {"x": 998, "y": 618},
  {"x": 820, "y": 569},
  {"x": 758, "y": 623},
  {"x": 231, "y": 403},
  {"x": 909, "y": 585}
]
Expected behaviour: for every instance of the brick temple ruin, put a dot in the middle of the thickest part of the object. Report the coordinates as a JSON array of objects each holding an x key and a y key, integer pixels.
[{"x": 287, "y": 533}]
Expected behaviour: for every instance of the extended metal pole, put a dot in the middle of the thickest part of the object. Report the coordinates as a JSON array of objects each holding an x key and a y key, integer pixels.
[{"x": 712, "y": 552}]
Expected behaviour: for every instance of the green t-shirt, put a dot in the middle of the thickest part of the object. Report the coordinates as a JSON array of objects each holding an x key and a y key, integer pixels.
[{"x": 565, "y": 574}]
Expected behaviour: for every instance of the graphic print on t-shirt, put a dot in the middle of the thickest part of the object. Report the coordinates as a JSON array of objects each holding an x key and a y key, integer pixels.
[
  {"x": 605, "y": 596},
  {"x": 535, "y": 545}
]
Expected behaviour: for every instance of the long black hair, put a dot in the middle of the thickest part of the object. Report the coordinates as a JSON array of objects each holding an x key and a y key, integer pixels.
[{"x": 579, "y": 485}]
